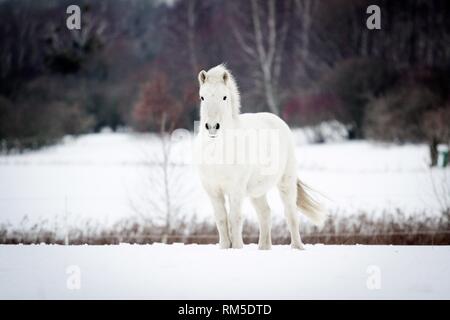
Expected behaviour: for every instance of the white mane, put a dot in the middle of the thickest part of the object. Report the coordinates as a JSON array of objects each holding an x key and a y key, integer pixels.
[{"x": 216, "y": 75}]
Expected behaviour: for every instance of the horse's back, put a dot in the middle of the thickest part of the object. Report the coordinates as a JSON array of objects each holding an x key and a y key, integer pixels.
[
  {"x": 268, "y": 121},
  {"x": 262, "y": 120}
]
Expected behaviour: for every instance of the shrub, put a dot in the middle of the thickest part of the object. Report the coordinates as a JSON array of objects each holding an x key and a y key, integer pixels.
[
  {"x": 40, "y": 116},
  {"x": 311, "y": 109},
  {"x": 398, "y": 116},
  {"x": 356, "y": 82},
  {"x": 6, "y": 116},
  {"x": 436, "y": 127}
]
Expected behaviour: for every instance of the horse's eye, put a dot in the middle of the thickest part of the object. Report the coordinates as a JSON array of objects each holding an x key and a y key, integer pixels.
[
  {"x": 217, "y": 126},
  {"x": 207, "y": 127},
  {"x": 225, "y": 98},
  {"x": 203, "y": 99}
]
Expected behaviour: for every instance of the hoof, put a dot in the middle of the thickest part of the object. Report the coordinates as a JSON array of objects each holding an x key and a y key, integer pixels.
[
  {"x": 225, "y": 245},
  {"x": 238, "y": 245},
  {"x": 298, "y": 246},
  {"x": 265, "y": 246}
]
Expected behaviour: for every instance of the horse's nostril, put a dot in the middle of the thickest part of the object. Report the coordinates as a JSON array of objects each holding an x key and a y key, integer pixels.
[
  {"x": 207, "y": 126},
  {"x": 217, "y": 126}
]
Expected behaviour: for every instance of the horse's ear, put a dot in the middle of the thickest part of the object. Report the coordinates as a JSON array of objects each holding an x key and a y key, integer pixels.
[
  {"x": 202, "y": 77},
  {"x": 225, "y": 77}
]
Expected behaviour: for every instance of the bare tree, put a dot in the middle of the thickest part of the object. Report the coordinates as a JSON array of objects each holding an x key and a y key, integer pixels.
[
  {"x": 164, "y": 165},
  {"x": 164, "y": 192},
  {"x": 306, "y": 64},
  {"x": 304, "y": 11},
  {"x": 262, "y": 43},
  {"x": 182, "y": 30},
  {"x": 191, "y": 30}
]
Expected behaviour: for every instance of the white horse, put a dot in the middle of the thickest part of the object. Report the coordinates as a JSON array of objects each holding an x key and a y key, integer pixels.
[{"x": 230, "y": 170}]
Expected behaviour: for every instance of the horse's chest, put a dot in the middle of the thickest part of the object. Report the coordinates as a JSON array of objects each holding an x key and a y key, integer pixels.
[{"x": 227, "y": 178}]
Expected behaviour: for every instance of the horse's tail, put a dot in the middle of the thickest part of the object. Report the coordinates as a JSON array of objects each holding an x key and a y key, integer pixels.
[{"x": 308, "y": 206}]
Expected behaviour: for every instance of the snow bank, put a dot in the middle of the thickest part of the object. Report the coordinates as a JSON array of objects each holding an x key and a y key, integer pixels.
[{"x": 205, "y": 272}]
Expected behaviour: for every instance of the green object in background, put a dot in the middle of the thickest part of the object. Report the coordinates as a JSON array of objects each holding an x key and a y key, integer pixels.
[{"x": 442, "y": 160}]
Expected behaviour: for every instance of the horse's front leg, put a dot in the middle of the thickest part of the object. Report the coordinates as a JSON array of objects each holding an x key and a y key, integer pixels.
[
  {"x": 220, "y": 213},
  {"x": 236, "y": 221}
]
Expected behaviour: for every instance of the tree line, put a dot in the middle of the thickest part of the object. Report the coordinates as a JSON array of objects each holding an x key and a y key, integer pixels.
[{"x": 135, "y": 62}]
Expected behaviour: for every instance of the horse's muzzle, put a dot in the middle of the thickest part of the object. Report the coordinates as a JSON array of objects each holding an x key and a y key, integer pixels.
[{"x": 212, "y": 129}]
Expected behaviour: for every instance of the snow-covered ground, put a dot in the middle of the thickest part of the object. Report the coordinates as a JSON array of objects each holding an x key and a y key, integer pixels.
[
  {"x": 105, "y": 177},
  {"x": 206, "y": 272}
]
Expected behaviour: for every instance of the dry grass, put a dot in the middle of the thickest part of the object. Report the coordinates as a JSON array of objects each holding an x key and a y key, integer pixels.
[{"x": 389, "y": 228}]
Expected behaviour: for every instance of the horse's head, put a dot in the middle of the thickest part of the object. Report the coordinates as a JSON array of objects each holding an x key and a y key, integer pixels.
[{"x": 218, "y": 98}]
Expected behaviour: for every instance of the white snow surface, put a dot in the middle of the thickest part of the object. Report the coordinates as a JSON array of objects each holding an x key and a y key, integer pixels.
[
  {"x": 205, "y": 272},
  {"x": 108, "y": 176}
]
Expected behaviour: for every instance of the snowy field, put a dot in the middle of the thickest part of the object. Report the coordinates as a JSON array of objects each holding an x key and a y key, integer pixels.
[
  {"x": 106, "y": 177},
  {"x": 206, "y": 272}
]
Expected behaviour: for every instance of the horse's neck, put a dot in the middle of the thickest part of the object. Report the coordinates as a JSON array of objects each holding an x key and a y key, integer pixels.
[{"x": 233, "y": 122}]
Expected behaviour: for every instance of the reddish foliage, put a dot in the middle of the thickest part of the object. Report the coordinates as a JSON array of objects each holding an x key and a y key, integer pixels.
[
  {"x": 311, "y": 108},
  {"x": 156, "y": 108}
]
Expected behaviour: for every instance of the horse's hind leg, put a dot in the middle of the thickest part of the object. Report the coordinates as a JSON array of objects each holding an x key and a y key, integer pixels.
[
  {"x": 288, "y": 193},
  {"x": 263, "y": 211}
]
